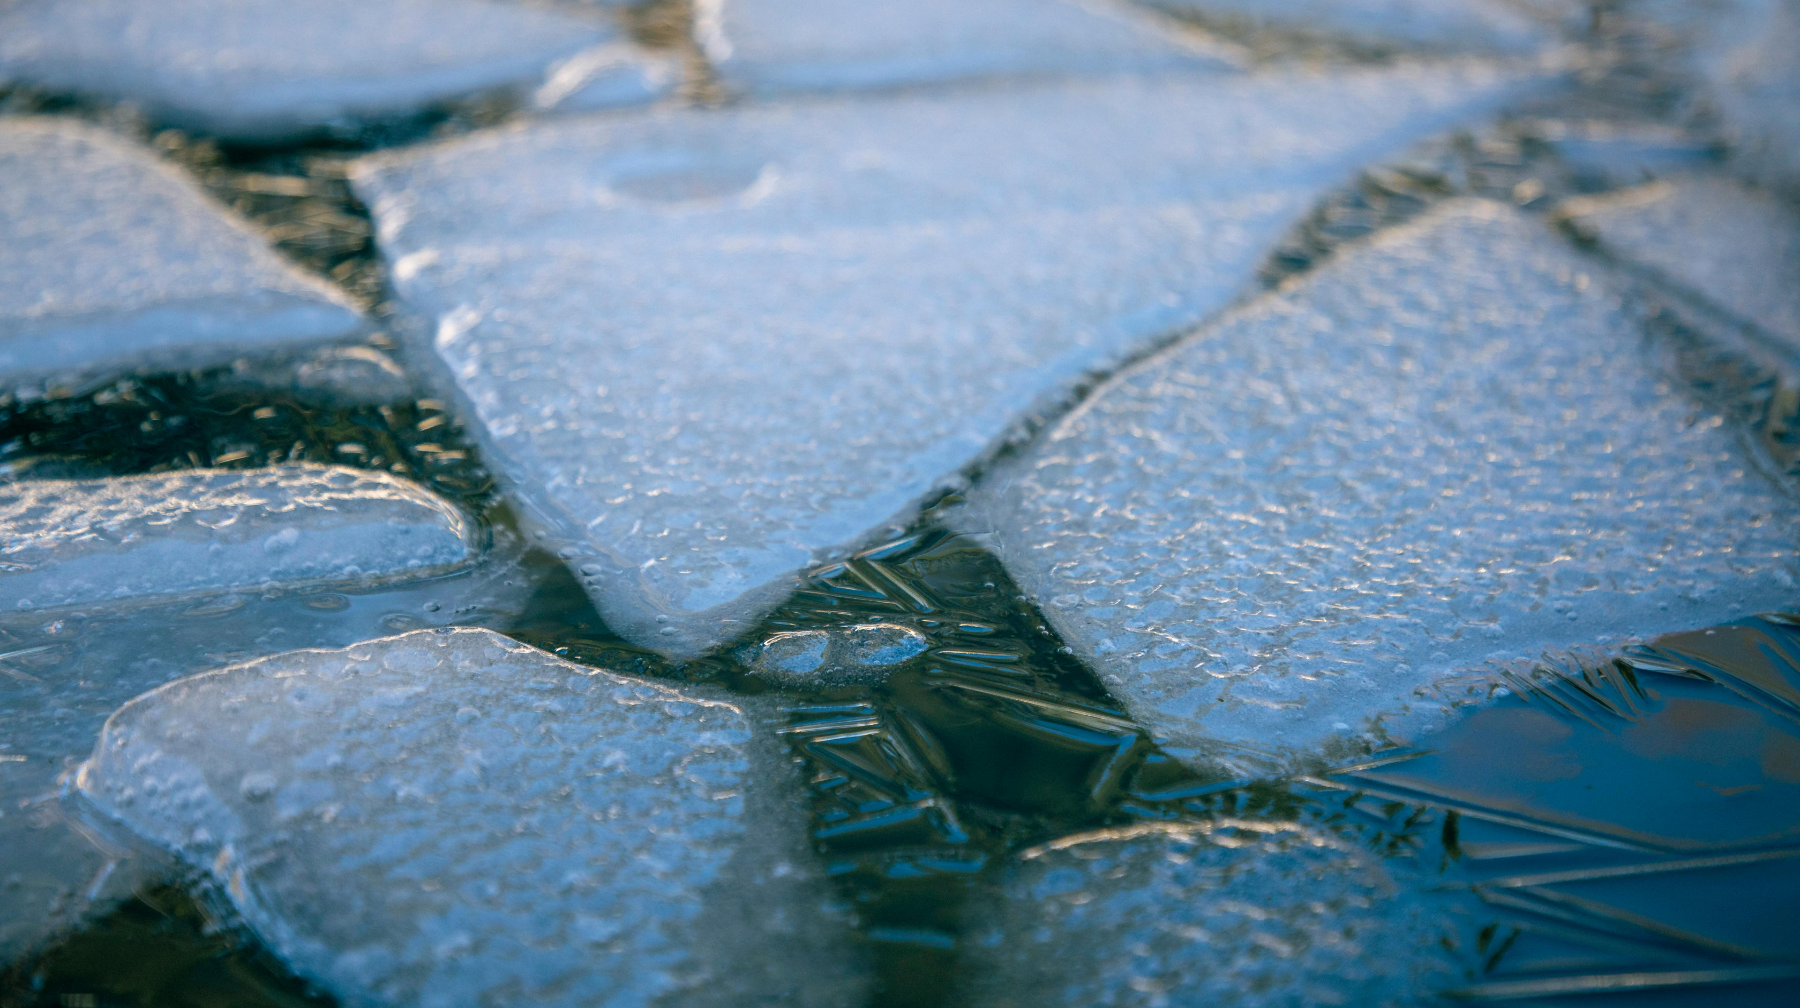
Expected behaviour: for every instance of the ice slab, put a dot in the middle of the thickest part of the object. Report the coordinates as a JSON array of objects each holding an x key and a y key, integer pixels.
[
  {"x": 1431, "y": 25},
  {"x": 450, "y": 818},
  {"x": 1448, "y": 445},
  {"x": 265, "y": 71},
  {"x": 67, "y": 543},
  {"x": 1232, "y": 912},
  {"x": 113, "y": 261},
  {"x": 767, "y": 46},
  {"x": 704, "y": 348},
  {"x": 1734, "y": 247}
]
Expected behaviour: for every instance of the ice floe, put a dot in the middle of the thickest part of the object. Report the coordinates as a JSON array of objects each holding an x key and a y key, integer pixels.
[
  {"x": 1736, "y": 248},
  {"x": 447, "y": 818},
  {"x": 1230, "y": 912},
  {"x": 1448, "y": 445},
  {"x": 767, "y": 46},
  {"x": 705, "y": 348},
  {"x": 66, "y": 543},
  {"x": 1431, "y": 25},
  {"x": 113, "y": 261},
  {"x": 266, "y": 71}
]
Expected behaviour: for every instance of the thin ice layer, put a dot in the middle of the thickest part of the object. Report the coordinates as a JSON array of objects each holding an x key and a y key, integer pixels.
[
  {"x": 706, "y": 347},
  {"x": 765, "y": 46},
  {"x": 1448, "y": 445},
  {"x": 1232, "y": 912},
  {"x": 449, "y": 818},
  {"x": 270, "y": 71},
  {"x": 1734, "y": 247},
  {"x": 112, "y": 261},
  {"x": 65, "y": 543},
  {"x": 1434, "y": 25}
]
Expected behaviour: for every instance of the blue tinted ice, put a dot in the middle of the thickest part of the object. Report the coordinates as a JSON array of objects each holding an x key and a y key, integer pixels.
[
  {"x": 764, "y": 46},
  {"x": 114, "y": 261},
  {"x": 1736, "y": 248},
  {"x": 1229, "y": 912},
  {"x": 68, "y": 543},
  {"x": 1438, "y": 25},
  {"x": 1450, "y": 444},
  {"x": 449, "y": 818},
  {"x": 269, "y": 71},
  {"x": 704, "y": 348}
]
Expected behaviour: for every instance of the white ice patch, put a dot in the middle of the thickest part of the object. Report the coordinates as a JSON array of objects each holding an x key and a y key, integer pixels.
[
  {"x": 1448, "y": 444},
  {"x": 65, "y": 543},
  {"x": 703, "y": 381},
  {"x": 450, "y": 818},
  {"x": 113, "y": 261}
]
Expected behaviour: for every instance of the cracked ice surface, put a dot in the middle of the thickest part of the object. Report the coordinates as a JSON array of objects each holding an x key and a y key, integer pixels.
[
  {"x": 66, "y": 543},
  {"x": 1439, "y": 25},
  {"x": 1447, "y": 445},
  {"x": 449, "y": 818},
  {"x": 765, "y": 46},
  {"x": 705, "y": 348},
  {"x": 1227, "y": 913},
  {"x": 271, "y": 71},
  {"x": 1734, "y": 247},
  {"x": 114, "y": 261}
]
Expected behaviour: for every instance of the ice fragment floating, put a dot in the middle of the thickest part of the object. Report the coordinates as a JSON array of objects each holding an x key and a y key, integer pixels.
[
  {"x": 1228, "y": 912},
  {"x": 1734, "y": 247},
  {"x": 1447, "y": 445},
  {"x": 66, "y": 543},
  {"x": 113, "y": 261},
  {"x": 266, "y": 72},
  {"x": 765, "y": 46},
  {"x": 704, "y": 347},
  {"x": 449, "y": 818}
]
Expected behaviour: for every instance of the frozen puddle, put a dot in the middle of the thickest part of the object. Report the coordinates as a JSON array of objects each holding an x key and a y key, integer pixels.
[
  {"x": 65, "y": 543},
  {"x": 1449, "y": 445},
  {"x": 114, "y": 261},
  {"x": 769, "y": 46},
  {"x": 267, "y": 72},
  {"x": 448, "y": 817},
  {"x": 706, "y": 348}
]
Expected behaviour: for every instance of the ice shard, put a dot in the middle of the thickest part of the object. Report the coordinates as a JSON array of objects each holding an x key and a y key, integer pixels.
[
  {"x": 769, "y": 46},
  {"x": 1736, "y": 248},
  {"x": 71, "y": 543},
  {"x": 113, "y": 261},
  {"x": 450, "y": 818},
  {"x": 269, "y": 72},
  {"x": 1231, "y": 912},
  {"x": 1450, "y": 444},
  {"x": 705, "y": 348}
]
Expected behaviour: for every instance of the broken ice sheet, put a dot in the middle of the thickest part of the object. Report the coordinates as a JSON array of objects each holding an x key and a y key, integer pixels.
[
  {"x": 1449, "y": 444},
  {"x": 113, "y": 261},
  {"x": 215, "y": 530},
  {"x": 766, "y": 46},
  {"x": 1225, "y": 912},
  {"x": 1430, "y": 25},
  {"x": 449, "y": 818},
  {"x": 1736, "y": 248},
  {"x": 708, "y": 346},
  {"x": 268, "y": 72}
]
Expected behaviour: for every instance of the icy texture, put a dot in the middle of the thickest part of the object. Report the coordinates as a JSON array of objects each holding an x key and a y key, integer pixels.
[
  {"x": 1447, "y": 445},
  {"x": 269, "y": 71},
  {"x": 707, "y": 347},
  {"x": 1438, "y": 25},
  {"x": 764, "y": 46},
  {"x": 861, "y": 653},
  {"x": 1732, "y": 246},
  {"x": 213, "y": 530},
  {"x": 1232, "y": 912},
  {"x": 112, "y": 261},
  {"x": 449, "y": 818}
]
